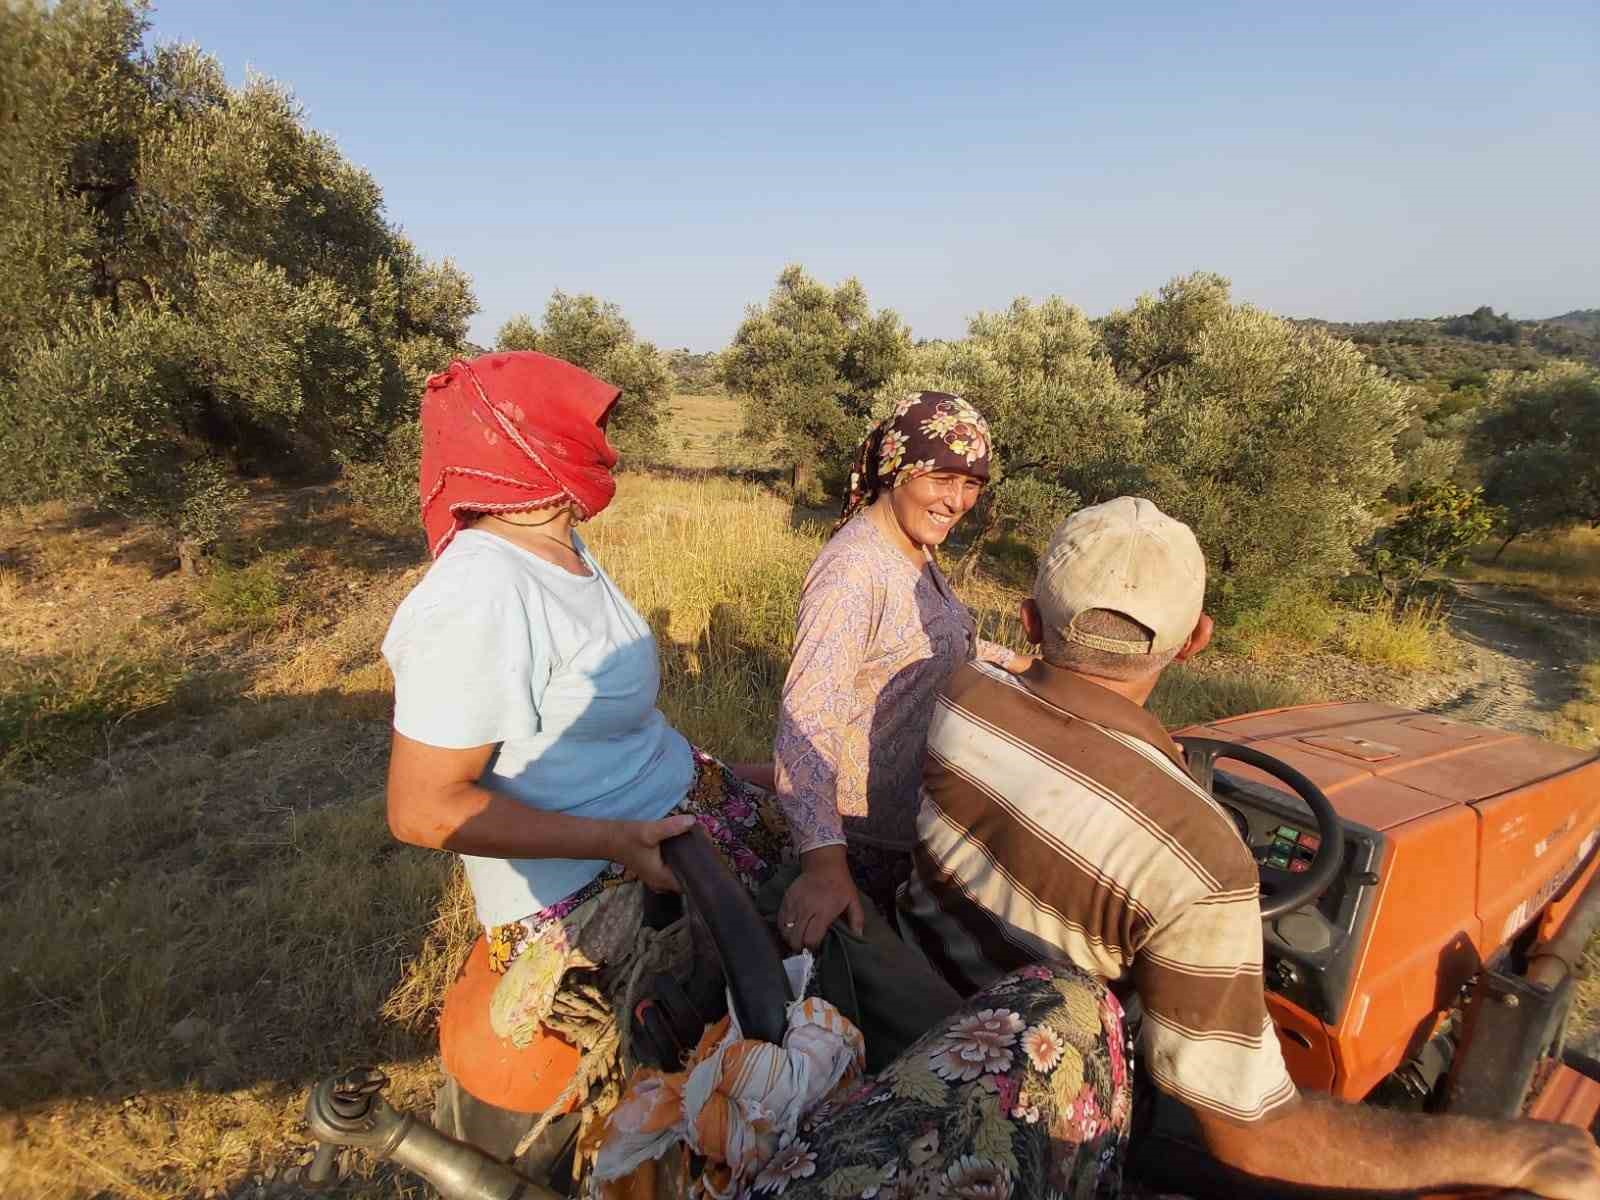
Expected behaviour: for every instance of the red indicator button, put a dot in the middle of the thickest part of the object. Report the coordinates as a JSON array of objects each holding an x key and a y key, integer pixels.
[
  {"x": 1310, "y": 841},
  {"x": 1300, "y": 864}
]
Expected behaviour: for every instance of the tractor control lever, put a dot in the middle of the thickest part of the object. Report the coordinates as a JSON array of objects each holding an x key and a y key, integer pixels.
[{"x": 349, "y": 1110}]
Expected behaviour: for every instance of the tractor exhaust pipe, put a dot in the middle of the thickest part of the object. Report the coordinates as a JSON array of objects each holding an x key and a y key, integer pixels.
[
  {"x": 349, "y": 1111},
  {"x": 1558, "y": 956}
]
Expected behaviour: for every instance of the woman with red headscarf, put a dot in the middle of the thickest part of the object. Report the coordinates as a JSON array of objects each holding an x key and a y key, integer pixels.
[{"x": 526, "y": 733}]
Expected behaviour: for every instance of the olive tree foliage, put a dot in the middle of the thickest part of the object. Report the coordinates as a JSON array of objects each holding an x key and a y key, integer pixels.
[
  {"x": 594, "y": 335},
  {"x": 806, "y": 367},
  {"x": 193, "y": 274},
  {"x": 1434, "y": 532},
  {"x": 1065, "y": 427},
  {"x": 1273, "y": 441},
  {"x": 1539, "y": 440}
]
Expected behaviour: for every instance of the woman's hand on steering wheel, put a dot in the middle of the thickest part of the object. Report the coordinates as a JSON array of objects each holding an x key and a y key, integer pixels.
[
  {"x": 819, "y": 897},
  {"x": 638, "y": 848}
]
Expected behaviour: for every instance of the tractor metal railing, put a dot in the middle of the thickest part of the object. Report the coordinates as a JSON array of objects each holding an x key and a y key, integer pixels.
[{"x": 349, "y": 1110}]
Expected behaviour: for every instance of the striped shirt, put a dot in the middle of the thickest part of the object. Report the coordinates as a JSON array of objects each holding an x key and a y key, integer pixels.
[{"x": 1057, "y": 822}]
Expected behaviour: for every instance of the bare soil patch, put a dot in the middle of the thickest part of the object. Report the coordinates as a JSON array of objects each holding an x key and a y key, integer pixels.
[{"x": 1524, "y": 657}]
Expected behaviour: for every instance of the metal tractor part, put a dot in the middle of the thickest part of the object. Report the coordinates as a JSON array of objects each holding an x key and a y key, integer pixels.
[{"x": 349, "y": 1110}]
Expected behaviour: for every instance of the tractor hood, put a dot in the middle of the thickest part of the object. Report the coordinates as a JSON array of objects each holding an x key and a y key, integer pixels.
[
  {"x": 1443, "y": 791},
  {"x": 1383, "y": 766}
]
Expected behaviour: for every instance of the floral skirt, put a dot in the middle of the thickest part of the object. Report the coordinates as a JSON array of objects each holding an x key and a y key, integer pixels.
[
  {"x": 1026, "y": 1091},
  {"x": 745, "y": 824}
]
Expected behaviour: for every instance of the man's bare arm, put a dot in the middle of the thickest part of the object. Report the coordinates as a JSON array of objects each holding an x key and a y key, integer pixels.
[{"x": 1321, "y": 1143}]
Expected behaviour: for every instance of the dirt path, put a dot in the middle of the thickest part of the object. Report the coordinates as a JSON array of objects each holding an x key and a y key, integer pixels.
[{"x": 1525, "y": 656}]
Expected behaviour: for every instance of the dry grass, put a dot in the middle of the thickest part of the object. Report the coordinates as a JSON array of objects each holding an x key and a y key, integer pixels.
[
  {"x": 704, "y": 433},
  {"x": 1578, "y": 721},
  {"x": 1410, "y": 637},
  {"x": 211, "y": 913},
  {"x": 1191, "y": 695},
  {"x": 1563, "y": 568}
]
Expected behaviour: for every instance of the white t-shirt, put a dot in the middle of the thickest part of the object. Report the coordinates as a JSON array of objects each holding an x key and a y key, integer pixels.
[{"x": 496, "y": 645}]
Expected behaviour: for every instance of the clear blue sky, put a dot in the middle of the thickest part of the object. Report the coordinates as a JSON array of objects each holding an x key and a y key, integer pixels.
[{"x": 1353, "y": 161}]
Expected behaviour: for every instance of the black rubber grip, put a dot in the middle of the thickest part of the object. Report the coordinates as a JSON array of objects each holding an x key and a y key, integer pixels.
[{"x": 743, "y": 943}]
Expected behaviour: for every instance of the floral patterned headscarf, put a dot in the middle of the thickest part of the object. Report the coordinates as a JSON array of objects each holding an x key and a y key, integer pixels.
[{"x": 927, "y": 432}]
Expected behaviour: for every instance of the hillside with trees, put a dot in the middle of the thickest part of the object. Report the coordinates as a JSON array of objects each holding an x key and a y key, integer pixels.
[{"x": 1454, "y": 352}]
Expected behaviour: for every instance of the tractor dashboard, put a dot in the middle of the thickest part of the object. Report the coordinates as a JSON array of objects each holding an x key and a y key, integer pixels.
[{"x": 1311, "y": 952}]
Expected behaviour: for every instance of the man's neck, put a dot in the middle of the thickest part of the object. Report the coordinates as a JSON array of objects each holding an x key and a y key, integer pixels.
[{"x": 1136, "y": 690}]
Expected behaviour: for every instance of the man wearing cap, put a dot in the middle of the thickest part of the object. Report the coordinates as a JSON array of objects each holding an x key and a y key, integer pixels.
[{"x": 1058, "y": 823}]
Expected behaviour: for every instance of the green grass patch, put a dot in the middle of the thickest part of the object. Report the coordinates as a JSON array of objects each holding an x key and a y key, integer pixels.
[
  {"x": 253, "y": 596},
  {"x": 1294, "y": 620},
  {"x": 59, "y": 709},
  {"x": 1189, "y": 696}
]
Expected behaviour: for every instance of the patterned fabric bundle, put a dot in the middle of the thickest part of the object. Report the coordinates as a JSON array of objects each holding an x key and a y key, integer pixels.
[
  {"x": 927, "y": 432},
  {"x": 737, "y": 1104},
  {"x": 512, "y": 432}
]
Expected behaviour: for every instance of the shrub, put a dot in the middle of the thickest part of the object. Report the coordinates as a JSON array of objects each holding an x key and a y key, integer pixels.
[
  {"x": 386, "y": 488},
  {"x": 191, "y": 272},
  {"x": 1272, "y": 441},
  {"x": 1297, "y": 618},
  {"x": 248, "y": 597},
  {"x": 205, "y": 510},
  {"x": 1443, "y": 522},
  {"x": 1540, "y": 439},
  {"x": 1065, "y": 428}
]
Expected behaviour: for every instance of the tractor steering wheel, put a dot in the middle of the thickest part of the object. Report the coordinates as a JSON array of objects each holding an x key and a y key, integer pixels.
[
  {"x": 1281, "y": 891},
  {"x": 744, "y": 945}
]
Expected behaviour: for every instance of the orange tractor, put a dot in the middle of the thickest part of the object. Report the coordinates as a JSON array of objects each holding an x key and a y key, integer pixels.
[{"x": 1428, "y": 888}]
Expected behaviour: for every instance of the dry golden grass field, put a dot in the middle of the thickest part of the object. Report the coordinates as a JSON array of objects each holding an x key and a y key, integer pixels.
[
  {"x": 705, "y": 433},
  {"x": 204, "y": 910},
  {"x": 1563, "y": 568}
]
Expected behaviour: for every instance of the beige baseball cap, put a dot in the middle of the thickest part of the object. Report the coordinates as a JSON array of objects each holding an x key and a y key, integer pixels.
[{"x": 1128, "y": 556}]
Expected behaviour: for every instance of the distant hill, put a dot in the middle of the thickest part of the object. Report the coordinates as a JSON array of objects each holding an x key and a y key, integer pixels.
[
  {"x": 1459, "y": 351},
  {"x": 1585, "y": 320}
]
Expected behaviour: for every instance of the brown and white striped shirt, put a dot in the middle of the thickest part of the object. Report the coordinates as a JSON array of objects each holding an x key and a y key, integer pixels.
[{"x": 1057, "y": 822}]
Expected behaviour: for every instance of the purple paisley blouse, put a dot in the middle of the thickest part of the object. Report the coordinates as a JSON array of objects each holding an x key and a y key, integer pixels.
[{"x": 875, "y": 641}]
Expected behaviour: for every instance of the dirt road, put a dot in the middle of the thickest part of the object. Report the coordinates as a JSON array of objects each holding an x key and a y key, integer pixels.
[{"x": 1525, "y": 657}]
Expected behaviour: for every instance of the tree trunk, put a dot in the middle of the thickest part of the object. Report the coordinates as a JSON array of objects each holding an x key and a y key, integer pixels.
[
  {"x": 1504, "y": 544},
  {"x": 803, "y": 479},
  {"x": 191, "y": 557}
]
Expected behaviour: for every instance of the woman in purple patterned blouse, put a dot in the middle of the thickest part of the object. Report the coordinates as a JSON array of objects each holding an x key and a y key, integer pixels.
[{"x": 879, "y": 632}]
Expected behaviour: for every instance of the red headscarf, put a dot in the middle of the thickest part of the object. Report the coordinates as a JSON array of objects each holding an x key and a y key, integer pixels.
[{"x": 511, "y": 432}]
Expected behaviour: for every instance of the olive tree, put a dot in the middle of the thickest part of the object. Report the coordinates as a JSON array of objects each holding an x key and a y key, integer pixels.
[
  {"x": 806, "y": 366},
  {"x": 593, "y": 334},
  {"x": 1539, "y": 438},
  {"x": 1065, "y": 427},
  {"x": 1275, "y": 442},
  {"x": 193, "y": 274}
]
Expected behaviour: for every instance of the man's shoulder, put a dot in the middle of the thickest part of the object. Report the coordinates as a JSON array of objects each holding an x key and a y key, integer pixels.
[{"x": 985, "y": 702}]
